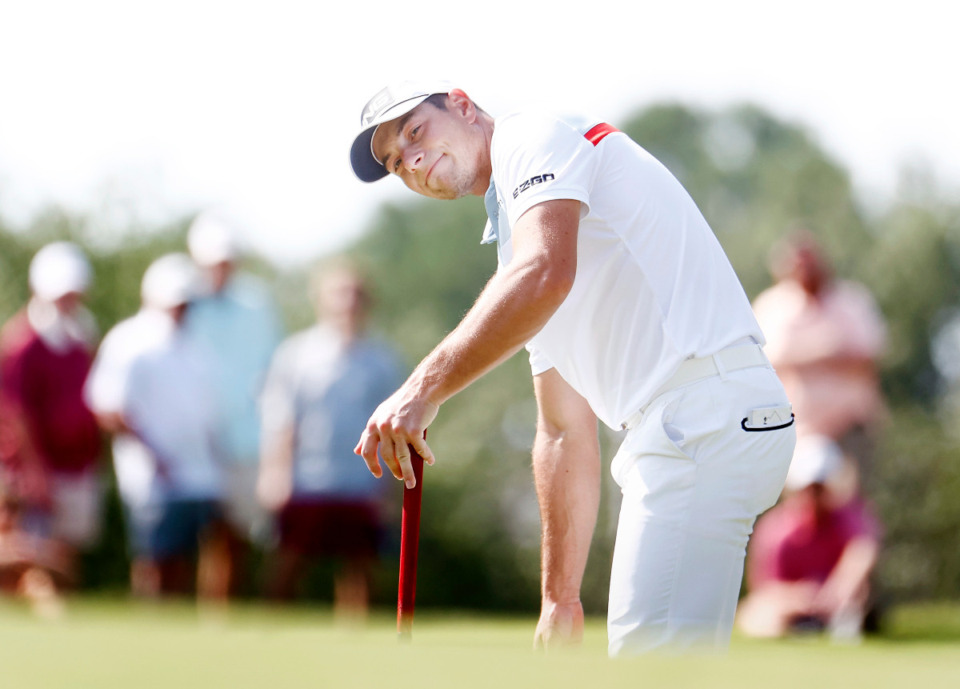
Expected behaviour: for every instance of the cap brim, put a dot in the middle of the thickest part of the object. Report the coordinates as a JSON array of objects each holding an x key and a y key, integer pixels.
[{"x": 365, "y": 166}]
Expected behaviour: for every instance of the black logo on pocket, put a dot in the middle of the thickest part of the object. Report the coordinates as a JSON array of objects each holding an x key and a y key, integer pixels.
[{"x": 764, "y": 427}]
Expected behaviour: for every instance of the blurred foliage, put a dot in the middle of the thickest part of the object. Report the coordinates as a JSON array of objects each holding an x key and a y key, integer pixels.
[{"x": 754, "y": 177}]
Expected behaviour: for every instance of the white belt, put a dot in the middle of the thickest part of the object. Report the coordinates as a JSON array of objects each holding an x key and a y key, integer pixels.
[{"x": 692, "y": 370}]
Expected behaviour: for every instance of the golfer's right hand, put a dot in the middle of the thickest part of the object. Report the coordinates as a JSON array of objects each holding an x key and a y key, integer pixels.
[{"x": 397, "y": 425}]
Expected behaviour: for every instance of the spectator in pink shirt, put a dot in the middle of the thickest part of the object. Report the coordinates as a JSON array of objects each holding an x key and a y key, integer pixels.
[
  {"x": 52, "y": 442},
  {"x": 824, "y": 338}
]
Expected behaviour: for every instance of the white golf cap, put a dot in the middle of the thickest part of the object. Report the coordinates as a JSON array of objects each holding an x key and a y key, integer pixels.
[
  {"x": 170, "y": 281},
  {"x": 58, "y": 269},
  {"x": 212, "y": 239},
  {"x": 816, "y": 459},
  {"x": 393, "y": 101}
]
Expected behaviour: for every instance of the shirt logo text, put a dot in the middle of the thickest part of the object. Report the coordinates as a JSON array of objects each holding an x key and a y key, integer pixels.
[{"x": 533, "y": 181}]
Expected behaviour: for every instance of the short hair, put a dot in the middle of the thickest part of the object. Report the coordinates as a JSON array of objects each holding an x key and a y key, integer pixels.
[
  {"x": 799, "y": 239},
  {"x": 439, "y": 101},
  {"x": 341, "y": 263}
]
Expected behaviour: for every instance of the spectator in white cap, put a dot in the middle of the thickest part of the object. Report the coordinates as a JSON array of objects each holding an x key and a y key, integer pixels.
[
  {"x": 236, "y": 318},
  {"x": 151, "y": 387},
  {"x": 811, "y": 557},
  {"x": 46, "y": 350}
]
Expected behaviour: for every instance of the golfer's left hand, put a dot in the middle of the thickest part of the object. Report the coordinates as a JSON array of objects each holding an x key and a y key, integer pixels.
[{"x": 397, "y": 425}]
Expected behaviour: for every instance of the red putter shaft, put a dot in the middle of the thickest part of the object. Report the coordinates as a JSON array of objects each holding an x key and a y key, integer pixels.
[{"x": 409, "y": 542}]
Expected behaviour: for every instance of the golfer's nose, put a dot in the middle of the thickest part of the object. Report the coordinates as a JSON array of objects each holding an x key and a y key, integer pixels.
[{"x": 412, "y": 159}]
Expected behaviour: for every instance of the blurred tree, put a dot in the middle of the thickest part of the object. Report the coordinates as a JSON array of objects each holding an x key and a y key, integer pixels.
[
  {"x": 914, "y": 270},
  {"x": 754, "y": 177}
]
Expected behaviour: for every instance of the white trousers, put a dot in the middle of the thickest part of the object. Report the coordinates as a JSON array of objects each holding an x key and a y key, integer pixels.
[{"x": 694, "y": 481}]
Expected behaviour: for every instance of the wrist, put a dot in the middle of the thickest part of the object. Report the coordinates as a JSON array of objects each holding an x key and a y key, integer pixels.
[
  {"x": 561, "y": 599},
  {"x": 425, "y": 387}
]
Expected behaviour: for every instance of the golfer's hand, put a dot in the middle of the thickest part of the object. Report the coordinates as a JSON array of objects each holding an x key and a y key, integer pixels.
[
  {"x": 560, "y": 626},
  {"x": 397, "y": 425}
]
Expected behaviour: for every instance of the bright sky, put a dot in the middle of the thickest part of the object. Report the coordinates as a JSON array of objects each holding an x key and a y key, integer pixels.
[{"x": 154, "y": 109}]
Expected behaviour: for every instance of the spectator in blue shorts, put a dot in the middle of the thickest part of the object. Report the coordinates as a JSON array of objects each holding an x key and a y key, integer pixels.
[{"x": 151, "y": 387}]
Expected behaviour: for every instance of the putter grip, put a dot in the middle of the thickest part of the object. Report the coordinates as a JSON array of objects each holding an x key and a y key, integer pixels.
[{"x": 409, "y": 541}]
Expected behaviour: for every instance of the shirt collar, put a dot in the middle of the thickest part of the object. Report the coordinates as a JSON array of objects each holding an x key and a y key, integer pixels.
[{"x": 492, "y": 230}]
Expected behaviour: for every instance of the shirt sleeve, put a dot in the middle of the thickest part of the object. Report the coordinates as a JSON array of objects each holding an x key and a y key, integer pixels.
[
  {"x": 866, "y": 329},
  {"x": 539, "y": 362},
  {"x": 538, "y": 158},
  {"x": 14, "y": 387},
  {"x": 858, "y": 520}
]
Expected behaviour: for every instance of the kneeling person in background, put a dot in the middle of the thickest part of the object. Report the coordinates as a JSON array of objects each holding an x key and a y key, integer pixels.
[{"x": 811, "y": 557}]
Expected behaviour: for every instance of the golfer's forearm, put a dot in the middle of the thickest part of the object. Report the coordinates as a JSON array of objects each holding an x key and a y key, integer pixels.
[
  {"x": 567, "y": 476},
  {"x": 516, "y": 303}
]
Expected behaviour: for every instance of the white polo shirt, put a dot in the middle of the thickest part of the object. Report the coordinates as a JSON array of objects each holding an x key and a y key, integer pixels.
[
  {"x": 171, "y": 398},
  {"x": 158, "y": 379},
  {"x": 105, "y": 391},
  {"x": 653, "y": 286}
]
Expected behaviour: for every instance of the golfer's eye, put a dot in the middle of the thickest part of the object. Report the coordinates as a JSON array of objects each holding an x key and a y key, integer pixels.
[
  {"x": 414, "y": 132},
  {"x": 396, "y": 164}
]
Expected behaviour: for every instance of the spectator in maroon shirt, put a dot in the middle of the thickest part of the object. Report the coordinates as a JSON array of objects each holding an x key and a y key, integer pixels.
[
  {"x": 811, "y": 557},
  {"x": 51, "y": 440}
]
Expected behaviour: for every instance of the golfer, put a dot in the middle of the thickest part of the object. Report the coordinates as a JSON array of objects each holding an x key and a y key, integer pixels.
[{"x": 631, "y": 314}]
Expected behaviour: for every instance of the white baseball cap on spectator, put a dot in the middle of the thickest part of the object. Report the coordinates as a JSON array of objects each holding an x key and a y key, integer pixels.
[
  {"x": 816, "y": 459},
  {"x": 59, "y": 269},
  {"x": 170, "y": 281},
  {"x": 212, "y": 239}
]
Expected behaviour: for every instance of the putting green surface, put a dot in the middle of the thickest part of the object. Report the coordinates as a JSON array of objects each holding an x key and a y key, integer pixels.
[{"x": 107, "y": 644}]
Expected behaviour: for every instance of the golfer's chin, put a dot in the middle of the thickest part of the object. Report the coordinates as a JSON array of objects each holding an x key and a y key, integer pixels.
[
  {"x": 445, "y": 184},
  {"x": 442, "y": 193}
]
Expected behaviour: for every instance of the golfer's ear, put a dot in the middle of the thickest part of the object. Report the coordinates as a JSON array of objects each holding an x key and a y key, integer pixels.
[{"x": 460, "y": 102}]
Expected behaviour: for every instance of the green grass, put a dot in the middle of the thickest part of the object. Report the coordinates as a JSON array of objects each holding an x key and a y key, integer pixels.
[{"x": 111, "y": 644}]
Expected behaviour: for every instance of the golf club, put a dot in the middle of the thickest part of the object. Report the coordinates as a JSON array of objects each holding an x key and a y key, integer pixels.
[{"x": 409, "y": 541}]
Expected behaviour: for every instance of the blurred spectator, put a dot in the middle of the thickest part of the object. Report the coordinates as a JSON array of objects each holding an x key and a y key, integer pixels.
[
  {"x": 50, "y": 441},
  {"x": 322, "y": 387},
  {"x": 824, "y": 338},
  {"x": 31, "y": 566},
  {"x": 810, "y": 559},
  {"x": 236, "y": 318},
  {"x": 151, "y": 387}
]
